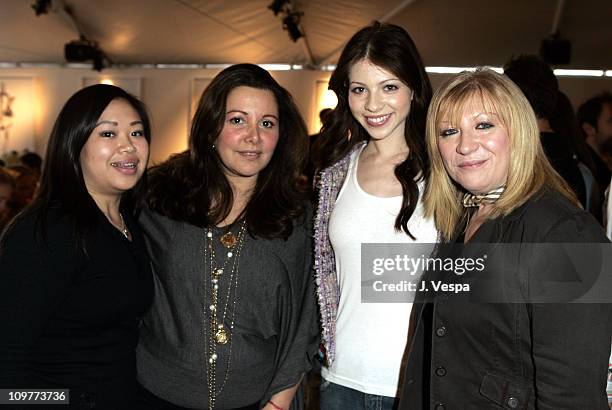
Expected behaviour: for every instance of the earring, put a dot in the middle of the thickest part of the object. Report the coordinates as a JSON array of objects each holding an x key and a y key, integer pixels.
[{"x": 213, "y": 146}]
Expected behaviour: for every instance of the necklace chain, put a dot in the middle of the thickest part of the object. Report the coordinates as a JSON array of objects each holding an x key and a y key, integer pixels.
[
  {"x": 124, "y": 229},
  {"x": 218, "y": 334}
]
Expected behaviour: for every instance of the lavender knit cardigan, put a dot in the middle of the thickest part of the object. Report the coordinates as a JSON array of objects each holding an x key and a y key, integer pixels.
[{"x": 328, "y": 292}]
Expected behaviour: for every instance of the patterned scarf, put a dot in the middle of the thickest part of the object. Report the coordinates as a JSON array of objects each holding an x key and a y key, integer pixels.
[{"x": 471, "y": 200}]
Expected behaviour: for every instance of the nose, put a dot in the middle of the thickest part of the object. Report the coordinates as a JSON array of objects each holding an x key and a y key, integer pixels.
[
  {"x": 468, "y": 143},
  {"x": 253, "y": 134},
  {"x": 126, "y": 144},
  {"x": 374, "y": 102}
]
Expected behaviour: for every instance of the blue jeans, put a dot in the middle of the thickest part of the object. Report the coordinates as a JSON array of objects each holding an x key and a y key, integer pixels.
[{"x": 337, "y": 397}]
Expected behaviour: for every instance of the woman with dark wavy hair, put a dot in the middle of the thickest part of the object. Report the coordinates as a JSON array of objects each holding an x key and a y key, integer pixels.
[
  {"x": 372, "y": 152},
  {"x": 75, "y": 277},
  {"x": 233, "y": 323}
]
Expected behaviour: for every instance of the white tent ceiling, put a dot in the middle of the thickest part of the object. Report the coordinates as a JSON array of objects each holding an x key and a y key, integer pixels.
[{"x": 447, "y": 32}]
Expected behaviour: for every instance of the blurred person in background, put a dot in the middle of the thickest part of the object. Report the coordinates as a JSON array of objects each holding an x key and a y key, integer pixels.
[
  {"x": 595, "y": 119},
  {"x": 33, "y": 161},
  {"x": 539, "y": 84},
  {"x": 563, "y": 120},
  {"x": 26, "y": 185},
  {"x": 7, "y": 185}
]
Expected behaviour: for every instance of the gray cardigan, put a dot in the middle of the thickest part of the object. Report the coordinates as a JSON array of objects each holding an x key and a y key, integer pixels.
[{"x": 275, "y": 330}]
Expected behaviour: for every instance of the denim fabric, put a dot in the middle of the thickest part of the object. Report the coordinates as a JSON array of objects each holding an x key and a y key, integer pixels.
[{"x": 337, "y": 397}]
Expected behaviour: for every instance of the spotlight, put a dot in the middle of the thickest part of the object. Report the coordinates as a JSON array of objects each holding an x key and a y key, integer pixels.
[
  {"x": 277, "y": 6},
  {"x": 80, "y": 50},
  {"x": 291, "y": 23},
  {"x": 98, "y": 62},
  {"x": 556, "y": 50},
  {"x": 41, "y": 7},
  {"x": 85, "y": 50}
]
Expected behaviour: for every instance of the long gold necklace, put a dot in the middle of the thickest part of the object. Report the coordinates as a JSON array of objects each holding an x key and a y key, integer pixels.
[{"x": 218, "y": 334}]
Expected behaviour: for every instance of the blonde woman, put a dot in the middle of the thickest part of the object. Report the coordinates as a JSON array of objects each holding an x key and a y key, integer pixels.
[{"x": 491, "y": 183}]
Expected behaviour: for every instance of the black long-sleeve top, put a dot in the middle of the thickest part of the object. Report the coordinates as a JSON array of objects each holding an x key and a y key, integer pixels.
[{"x": 70, "y": 319}]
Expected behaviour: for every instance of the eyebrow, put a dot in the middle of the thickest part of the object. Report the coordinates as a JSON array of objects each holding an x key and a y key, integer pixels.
[
  {"x": 246, "y": 113},
  {"x": 380, "y": 82},
  {"x": 485, "y": 113},
  {"x": 116, "y": 124}
]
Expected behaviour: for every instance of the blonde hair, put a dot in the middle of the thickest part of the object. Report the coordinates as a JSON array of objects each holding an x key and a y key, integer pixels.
[{"x": 529, "y": 168}]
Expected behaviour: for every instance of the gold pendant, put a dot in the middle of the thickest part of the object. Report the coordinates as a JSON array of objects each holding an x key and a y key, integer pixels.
[
  {"x": 228, "y": 240},
  {"x": 221, "y": 337}
]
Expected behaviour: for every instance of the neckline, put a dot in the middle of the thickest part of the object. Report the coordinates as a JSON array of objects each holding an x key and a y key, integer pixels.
[
  {"x": 229, "y": 227},
  {"x": 126, "y": 221},
  {"x": 356, "y": 181}
]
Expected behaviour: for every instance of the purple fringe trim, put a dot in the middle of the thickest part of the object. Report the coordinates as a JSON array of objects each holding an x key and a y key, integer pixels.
[{"x": 328, "y": 292}]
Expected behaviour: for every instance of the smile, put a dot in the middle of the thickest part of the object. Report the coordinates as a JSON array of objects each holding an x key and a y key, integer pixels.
[
  {"x": 250, "y": 154},
  {"x": 377, "y": 121},
  {"x": 128, "y": 167},
  {"x": 124, "y": 165},
  {"x": 474, "y": 164}
]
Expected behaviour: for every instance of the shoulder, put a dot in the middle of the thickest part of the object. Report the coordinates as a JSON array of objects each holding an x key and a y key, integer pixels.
[
  {"x": 548, "y": 206},
  {"x": 157, "y": 226},
  {"x": 341, "y": 166},
  {"x": 331, "y": 179},
  {"x": 57, "y": 224},
  {"x": 297, "y": 245},
  {"x": 31, "y": 234},
  {"x": 549, "y": 216}
]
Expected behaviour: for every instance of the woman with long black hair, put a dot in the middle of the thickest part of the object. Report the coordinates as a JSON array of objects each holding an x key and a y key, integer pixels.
[
  {"x": 372, "y": 152},
  {"x": 74, "y": 274}
]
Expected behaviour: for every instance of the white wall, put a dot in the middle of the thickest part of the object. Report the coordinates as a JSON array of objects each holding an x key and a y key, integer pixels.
[{"x": 167, "y": 93}]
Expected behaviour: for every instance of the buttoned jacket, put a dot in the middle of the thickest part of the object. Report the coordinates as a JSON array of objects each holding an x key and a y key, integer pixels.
[{"x": 544, "y": 356}]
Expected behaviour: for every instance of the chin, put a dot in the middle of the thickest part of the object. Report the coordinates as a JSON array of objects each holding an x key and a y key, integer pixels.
[
  {"x": 473, "y": 188},
  {"x": 122, "y": 188}
]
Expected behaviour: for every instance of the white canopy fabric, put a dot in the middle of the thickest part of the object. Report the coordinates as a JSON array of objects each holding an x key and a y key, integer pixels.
[{"x": 447, "y": 32}]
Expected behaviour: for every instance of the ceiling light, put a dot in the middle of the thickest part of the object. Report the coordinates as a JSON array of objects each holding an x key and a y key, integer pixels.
[
  {"x": 84, "y": 50},
  {"x": 41, "y": 7},
  {"x": 277, "y": 6},
  {"x": 579, "y": 73},
  {"x": 291, "y": 23}
]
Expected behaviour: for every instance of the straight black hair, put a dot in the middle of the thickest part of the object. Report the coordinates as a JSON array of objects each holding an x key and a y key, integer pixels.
[{"x": 62, "y": 185}]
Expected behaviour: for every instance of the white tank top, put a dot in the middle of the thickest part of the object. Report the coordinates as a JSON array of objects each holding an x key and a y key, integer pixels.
[{"x": 370, "y": 337}]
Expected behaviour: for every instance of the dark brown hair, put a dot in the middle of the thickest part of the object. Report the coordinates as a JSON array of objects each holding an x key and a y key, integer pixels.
[
  {"x": 192, "y": 187},
  {"x": 390, "y": 47}
]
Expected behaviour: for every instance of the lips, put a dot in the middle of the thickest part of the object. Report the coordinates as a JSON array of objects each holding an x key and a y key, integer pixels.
[
  {"x": 472, "y": 164},
  {"x": 377, "y": 121},
  {"x": 126, "y": 166},
  {"x": 250, "y": 154}
]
